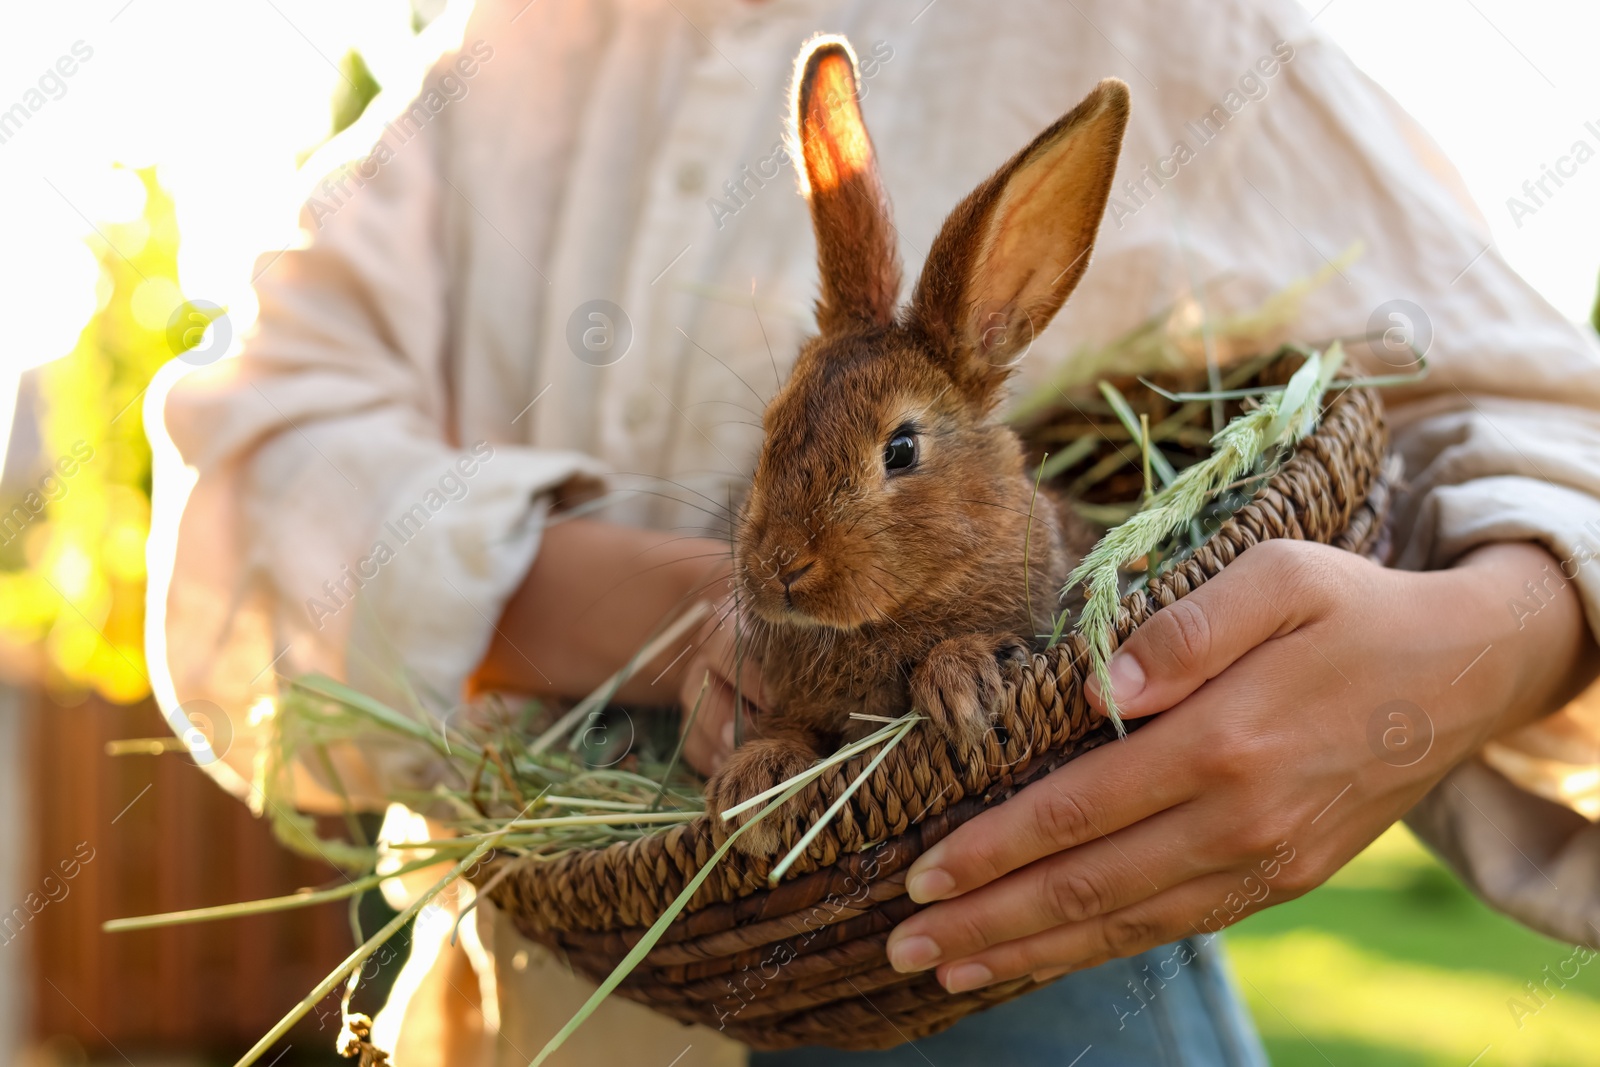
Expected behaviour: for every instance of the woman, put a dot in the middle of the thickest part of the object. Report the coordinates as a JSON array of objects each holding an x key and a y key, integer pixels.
[{"x": 578, "y": 259}]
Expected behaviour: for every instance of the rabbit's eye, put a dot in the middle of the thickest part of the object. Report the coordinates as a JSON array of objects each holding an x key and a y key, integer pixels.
[{"x": 900, "y": 454}]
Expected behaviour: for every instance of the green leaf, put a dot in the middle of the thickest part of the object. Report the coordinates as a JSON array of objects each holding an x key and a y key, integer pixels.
[
  {"x": 355, "y": 90},
  {"x": 1292, "y": 400},
  {"x": 1130, "y": 421}
]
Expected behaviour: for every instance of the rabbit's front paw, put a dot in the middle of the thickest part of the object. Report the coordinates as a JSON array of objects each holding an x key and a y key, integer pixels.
[
  {"x": 756, "y": 767},
  {"x": 962, "y": 681}
]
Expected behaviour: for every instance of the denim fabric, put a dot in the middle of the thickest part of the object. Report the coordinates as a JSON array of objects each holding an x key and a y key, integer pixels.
[{"x": 1154, "y": 1010}]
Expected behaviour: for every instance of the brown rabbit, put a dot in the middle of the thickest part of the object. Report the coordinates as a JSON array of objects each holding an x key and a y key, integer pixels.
[{"x": 881, "y": 549}]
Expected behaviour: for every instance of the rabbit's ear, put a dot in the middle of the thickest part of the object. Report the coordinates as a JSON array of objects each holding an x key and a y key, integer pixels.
[
  {"x": 1008, "y": 256},
  {"x": 855, "y": 241}
]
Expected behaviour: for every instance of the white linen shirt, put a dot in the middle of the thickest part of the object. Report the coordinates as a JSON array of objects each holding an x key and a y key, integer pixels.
[{"x": 630, "y": 151}]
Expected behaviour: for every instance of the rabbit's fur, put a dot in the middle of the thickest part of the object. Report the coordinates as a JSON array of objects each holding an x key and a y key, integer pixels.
[{"x": 872, "y": 590}]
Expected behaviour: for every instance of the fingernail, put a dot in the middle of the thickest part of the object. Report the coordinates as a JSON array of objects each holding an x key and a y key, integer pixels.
[
  {"x": 727, "y": 734},
  {"x": 965, "y": 976},
  {"x": 1127, "y": 677},
  {"x": 913, "y": 953},
  {"x": 929, "y": 885}
]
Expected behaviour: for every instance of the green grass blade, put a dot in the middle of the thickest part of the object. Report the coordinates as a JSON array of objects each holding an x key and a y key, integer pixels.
[
  {"x": 683, "y": 736},
  {"x": 323, "y": 686},
  {"x": 264, "y": 906},
  {"x": 653, "y": 935},
  {"x": 1130, "y": 422},
  {"x": 1293, "y": 400},
  {"x": 847, "y": 752},
  {"x": 359, "y": 956},
  {"x": 833, "y": 809},
  {"x": 598, "y": 699},
  {"x": 1070, "y": 455}
]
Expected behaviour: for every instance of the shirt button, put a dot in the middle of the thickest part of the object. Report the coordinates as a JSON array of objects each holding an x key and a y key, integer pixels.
[
  {"x": 638, "y": 411},
  {"x": 691, "y": 178}
]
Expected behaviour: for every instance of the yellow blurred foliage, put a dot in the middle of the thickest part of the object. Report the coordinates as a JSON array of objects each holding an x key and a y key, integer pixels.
[
  {"x": 79, "y": 596},
  {"x": 77, "y": 591}
]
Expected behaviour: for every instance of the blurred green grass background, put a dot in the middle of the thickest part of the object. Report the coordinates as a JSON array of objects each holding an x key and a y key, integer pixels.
[{"x": 1393, "y": 963}]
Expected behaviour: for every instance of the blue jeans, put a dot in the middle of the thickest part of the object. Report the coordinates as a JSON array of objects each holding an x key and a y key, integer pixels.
[{"x": 1173, "y": 1006}]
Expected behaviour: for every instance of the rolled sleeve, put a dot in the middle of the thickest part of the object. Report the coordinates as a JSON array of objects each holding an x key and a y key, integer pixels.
[
  {"x": 455, "y": 549},
  {"x": 314, "y": 506}
]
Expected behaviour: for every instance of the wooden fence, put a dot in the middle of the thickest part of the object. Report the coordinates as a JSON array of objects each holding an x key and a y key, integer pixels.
[{"x": 134, "y": 835}]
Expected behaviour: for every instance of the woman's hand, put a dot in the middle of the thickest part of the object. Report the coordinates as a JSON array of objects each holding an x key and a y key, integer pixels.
[
  {"x": 596, "y": 594},
  {"x": 723, "y": 670},
  {"x": 1309, "y": 698}
]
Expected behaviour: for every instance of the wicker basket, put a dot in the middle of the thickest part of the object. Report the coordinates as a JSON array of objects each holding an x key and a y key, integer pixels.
[{"x": 804, "y": 963}]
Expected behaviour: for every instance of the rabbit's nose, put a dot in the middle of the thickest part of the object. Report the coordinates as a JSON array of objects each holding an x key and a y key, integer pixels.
[{"x": 794, "y": 574}]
